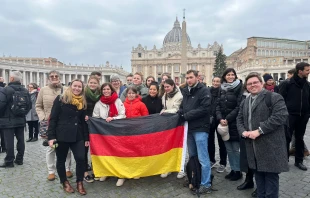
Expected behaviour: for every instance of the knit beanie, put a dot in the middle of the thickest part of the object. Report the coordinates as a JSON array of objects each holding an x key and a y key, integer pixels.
[{"x": 267, "y": 77}]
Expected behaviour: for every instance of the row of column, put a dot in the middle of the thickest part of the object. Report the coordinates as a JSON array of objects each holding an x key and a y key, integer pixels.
[{"x": 41, "y": 77}]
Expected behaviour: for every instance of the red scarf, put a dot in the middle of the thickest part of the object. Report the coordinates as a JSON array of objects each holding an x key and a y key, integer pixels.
[
  {"x": 269, "y": 87},
  {"x": 111, "y": 102}
]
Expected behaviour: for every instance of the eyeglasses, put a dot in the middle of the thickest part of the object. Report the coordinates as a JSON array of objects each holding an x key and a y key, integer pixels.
[
  {"x": 114, "y": 81},
  {"x": 54, "y": 76},
  {"x": 253, "y": 83}
]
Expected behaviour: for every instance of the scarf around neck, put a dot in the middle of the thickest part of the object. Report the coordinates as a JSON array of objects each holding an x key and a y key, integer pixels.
[
  {"x": 172, "y": 94},
  {"x": 111, "y": 102},
  {"x": 94, "y": 96},
  {"x": 269, "y": 87},
  {"x": 77, "y": 101},
  {"x": 228, "y": 86}
]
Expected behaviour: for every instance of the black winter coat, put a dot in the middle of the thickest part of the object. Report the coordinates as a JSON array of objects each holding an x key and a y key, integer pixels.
[
  {"x": 195, "y": 108},
  {"x": 228, "y": 108},
  {"x": 90, "y": 106},
  {"x": 297, "y": 97},
  {"x": 153, "y": 104},
  {"x": 2, "y": 84},
  {"x": 7, "y": 118},
  {"x": 67, "y": 123}
]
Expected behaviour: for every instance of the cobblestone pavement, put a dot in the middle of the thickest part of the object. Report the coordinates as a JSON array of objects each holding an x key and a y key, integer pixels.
[{"x": 30, "y": 180}]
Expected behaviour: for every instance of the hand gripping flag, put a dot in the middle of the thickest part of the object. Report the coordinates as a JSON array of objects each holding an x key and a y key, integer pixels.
[{"x": 138, "y": 147}]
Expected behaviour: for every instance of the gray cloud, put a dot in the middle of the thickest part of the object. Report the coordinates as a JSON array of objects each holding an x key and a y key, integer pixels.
[{"x": 96, "y": 31}]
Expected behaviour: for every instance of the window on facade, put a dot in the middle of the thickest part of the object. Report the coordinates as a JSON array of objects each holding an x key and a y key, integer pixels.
[
  {"x": 169, "y": 54},
  {"x": 176, "y": 68},
  {"x": 263, "y": 53},
  {"x": 139, "y": 55},
  {"x": 159, "y": 69},
  {"x": 159, "y": 55},
  {"x": 203, "y": 54},
  {"x": 214, "y": 53},
  {"x": 139, "y": 68},
  {"x": 259, "y": 43},
  {"x": 194, "y": 67},
  {"x": 169, "y": 68},
  {"x": 150, "y": 55},
  {"x": 258, "y": 52},
  {"x": 267, "y": 52},
  {"x": 271, "y": 53}
]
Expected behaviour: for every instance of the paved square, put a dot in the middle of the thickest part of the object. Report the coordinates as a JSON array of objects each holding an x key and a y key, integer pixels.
[{"x": 30, "y": 180}]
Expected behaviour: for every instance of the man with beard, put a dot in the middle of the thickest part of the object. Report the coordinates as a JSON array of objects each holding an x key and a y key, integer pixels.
[{"x": 296, "y": 93}]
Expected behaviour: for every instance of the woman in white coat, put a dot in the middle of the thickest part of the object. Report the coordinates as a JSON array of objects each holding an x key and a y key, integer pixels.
[
  {"x": 109, "y": 108},
  {"x": 171, "y": 102}
]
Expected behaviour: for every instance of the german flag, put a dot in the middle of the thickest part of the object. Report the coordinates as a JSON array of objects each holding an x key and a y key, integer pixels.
[{"x": 137, "y": 147}]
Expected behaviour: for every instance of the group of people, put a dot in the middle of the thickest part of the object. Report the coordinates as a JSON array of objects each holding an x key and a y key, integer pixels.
[{"x": 253, "y": 123}]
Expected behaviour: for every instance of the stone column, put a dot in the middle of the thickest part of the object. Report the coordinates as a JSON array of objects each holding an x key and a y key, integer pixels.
[
  {"x": 24, "y": 78},
  {"x": 38, "y": 78},
  {"x": 69, "y": 78},
  {"x": 3, "y": 73},
  {"x": 31, "y": 80}
]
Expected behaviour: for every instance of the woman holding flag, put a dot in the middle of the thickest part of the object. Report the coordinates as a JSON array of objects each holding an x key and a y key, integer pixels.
[{"x": 109, "y": 108}]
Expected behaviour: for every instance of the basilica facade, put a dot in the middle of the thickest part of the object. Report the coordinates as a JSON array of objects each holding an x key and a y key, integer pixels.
[{"x": 175, "y": 56}]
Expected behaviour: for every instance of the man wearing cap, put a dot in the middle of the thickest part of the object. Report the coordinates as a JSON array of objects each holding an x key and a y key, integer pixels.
[{"x": 262, "y": 126}]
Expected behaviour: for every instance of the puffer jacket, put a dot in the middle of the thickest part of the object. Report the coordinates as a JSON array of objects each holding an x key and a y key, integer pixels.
[
  {"x": 172, "y": 105},
  {"x": 32, "y": 115},
  {"x": 135, "y": 108},
  {"x": 46, "y": 99},
  {"x": 228, "y": 108}
]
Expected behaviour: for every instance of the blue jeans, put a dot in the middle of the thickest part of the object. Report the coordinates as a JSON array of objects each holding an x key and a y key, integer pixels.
[
  {"x": 267, "y": 184},
  {"x": 233, "y": 151},
  {"x": 197, "y": 143}
]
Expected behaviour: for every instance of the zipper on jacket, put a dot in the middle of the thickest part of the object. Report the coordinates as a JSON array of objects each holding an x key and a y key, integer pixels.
[{"x": 301, "y": 101}]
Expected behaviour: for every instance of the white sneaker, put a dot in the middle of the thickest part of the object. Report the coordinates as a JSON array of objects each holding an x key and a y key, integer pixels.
[
  {"x": 181, "y": 175},
  {"x": 96, "y": 178},
  {"x": 102, "y": 179},
  {"x": 120, "y": 182},
  {"x": 212, "y": 165},
  {"x": 221, "y": 168},
  {"x": 136, "y": 178},
  {"x": 164, "y": 175}
]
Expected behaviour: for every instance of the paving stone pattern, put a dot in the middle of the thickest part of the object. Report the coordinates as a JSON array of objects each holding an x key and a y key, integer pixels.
[{"x": 30, "y": 180}]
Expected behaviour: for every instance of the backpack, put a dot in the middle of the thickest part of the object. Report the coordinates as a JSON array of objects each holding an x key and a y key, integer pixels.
[
  {"x": 193, "y": 172},
  {"x": 20, "y": 103}
]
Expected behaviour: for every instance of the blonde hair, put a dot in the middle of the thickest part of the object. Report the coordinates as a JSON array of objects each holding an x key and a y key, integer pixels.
[{"x": 68, "y": 94}]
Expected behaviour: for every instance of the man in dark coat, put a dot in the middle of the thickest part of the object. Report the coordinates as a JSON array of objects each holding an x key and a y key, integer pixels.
[
  {"x": 263, "y": 130},
  {"x": 2, "y": 144},
  {"x": 296, "y": 93},
  {"x": 195, "y": 109},
  {"x": 11, "y": 124},
  {"x": 2, "y": 83}
]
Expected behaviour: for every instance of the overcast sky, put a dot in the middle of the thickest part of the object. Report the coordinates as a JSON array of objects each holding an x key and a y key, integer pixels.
[{"x": 96, "y": 31}]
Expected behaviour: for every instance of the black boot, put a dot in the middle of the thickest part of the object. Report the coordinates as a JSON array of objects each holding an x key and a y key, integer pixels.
[
  {"x": 246, "y": 185},
  {"x": 254, "y": 194},
  {"x": 236, "y": 176},
  {"x": 7, "y": 165},
  {"x": 229, "y": 176}
]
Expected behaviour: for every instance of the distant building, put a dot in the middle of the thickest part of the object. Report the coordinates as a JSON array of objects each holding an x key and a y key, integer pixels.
[
  {"x": 176, "y": 56},
  {"x": 269, "y": 55},
  {"x": 36, "y": 70}
]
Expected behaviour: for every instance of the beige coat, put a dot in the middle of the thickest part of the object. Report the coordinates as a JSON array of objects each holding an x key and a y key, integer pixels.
[
  {"x": 172, "y": 105},
  {"x": 101, "y": 110},
  {"x": 45, "y": 101}
]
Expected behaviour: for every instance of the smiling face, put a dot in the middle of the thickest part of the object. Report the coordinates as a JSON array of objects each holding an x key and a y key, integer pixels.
[
  {"x": 254, "y": 86},
  {"x": 131, "y": 95},
  {"x": 149, "y": 81},
  {"x": 216, "y": 82},
  {"x": 54, "y": 78},
  {"x": 153, "y": 91},
  {"x": 163, "y": 79},
  {"x": 116, "y": 83},
  {"x": 168, "y": 88},
  {"x": 93, "y": 84},
  {"x": 230, "y": 77},
  {"x": 106, "y": 91},
  {"x": 137, "y": 80},
  {"x": 77, "y": 88}
]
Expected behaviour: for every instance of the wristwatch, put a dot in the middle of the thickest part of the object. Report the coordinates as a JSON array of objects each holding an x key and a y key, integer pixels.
[{"x": 260, "y": 131}]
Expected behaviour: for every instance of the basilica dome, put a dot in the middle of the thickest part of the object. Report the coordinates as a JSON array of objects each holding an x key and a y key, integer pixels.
[{"x": 175, "y": 35}]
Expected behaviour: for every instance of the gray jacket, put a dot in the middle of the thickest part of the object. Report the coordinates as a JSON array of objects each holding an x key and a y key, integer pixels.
[
  {"x": 143, "y": 91},
  {"x": 268, "y": 152},
  {"x": 32, "y": 114}
]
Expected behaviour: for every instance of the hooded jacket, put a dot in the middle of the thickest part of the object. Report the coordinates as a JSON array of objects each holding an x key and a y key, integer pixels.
[{"x": 135, "y": 108}]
